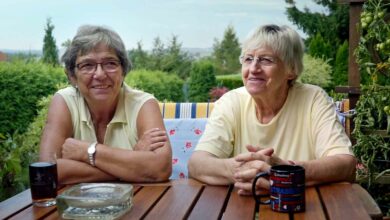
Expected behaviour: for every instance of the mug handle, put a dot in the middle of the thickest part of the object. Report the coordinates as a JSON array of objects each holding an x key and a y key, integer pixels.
[{"x": 257, "y": 197}]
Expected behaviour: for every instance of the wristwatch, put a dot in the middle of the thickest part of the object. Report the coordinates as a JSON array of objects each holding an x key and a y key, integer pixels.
[{"x": 91, "y": 153}]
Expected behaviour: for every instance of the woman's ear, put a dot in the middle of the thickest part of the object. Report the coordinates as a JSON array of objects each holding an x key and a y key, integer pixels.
[
  {"x": 71, "y": 78},
  {"x": 291, "y": 74}
]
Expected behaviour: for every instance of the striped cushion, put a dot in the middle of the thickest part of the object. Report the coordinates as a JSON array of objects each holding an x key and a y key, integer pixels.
[{"x": 186, "y": 110}]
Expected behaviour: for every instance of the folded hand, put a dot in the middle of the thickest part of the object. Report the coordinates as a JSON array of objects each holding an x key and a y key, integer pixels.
[
  {"x": 151, "y": 140},
  {"x": 255, "y": 161},
  {"x": 74, "y": 149}
]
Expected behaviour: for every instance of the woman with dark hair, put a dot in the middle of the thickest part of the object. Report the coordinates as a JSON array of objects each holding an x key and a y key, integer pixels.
[{"x": 99, "y": 128}]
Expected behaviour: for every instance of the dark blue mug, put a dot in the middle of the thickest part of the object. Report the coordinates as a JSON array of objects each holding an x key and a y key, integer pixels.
[{"x": 287, "y": 188}]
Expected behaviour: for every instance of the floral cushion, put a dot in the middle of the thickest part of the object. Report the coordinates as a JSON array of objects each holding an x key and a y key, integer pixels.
[{"x": 184, "y": 135}]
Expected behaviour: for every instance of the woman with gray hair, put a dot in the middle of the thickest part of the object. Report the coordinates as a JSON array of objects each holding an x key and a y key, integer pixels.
[
  {"x": 99, "y": 128},
  {"x": 272, "y": 120}
]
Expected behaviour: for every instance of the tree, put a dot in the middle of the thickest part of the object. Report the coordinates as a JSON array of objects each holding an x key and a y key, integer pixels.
[
  {"x": 171, "y": 59},
  {"x": 227, "y": 52},
  {"x": 139, "y": 58},
  {"x": 175, "y": 60},
  {"x": 326, "y": 31},
  {"x": 50, "y": 51},
  {"x": 333, "y": 26},
  {"x": 320, "y": 48},
  {"x": 157, "y": 54},
  {"x": 340, "y": 74},
  {"x": 202, "y": 80},
  {"x": 66, "y": 43}
]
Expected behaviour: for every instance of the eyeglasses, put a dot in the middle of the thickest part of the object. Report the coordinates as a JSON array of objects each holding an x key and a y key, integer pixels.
[
  {"x": 90, "y": 67},
  {"x": 262, "y": 60}
]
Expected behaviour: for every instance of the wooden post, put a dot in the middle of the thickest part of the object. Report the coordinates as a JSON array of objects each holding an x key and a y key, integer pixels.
[{"x": 353, "y": 88}]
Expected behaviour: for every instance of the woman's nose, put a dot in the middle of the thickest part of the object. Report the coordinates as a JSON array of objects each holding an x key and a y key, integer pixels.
[
  {"x": 254, "y": 66},
  {"x": 99, "y": 72}
]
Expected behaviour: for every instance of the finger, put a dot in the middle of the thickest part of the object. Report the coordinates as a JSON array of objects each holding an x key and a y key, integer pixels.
[
  {"x": 156, "y": 145},
  {"x": 158, "y": 133},
  {"x": 266, "y": 151},
  {"x": 245, "y": 157},
  {"x": 242, "y": 192},
  {"x": 246, "y": 175},
  {"x": 151, "y": 130},
  {"x": 252, "y": 148},
  {"x": 158, "y": 139}
]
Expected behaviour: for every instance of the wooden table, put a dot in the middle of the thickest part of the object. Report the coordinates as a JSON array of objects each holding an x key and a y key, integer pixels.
[{"x": 190, "y": 199}]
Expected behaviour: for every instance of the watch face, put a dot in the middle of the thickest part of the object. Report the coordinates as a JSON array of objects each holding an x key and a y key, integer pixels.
[{"x": 91, "y": 149}]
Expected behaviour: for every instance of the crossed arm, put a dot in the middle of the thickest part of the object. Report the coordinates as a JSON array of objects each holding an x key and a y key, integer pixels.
[{"x": 149, "y": 161}]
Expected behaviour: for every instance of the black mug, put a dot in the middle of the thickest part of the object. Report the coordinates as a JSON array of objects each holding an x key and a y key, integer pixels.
[{"x": 287, "y": 188}]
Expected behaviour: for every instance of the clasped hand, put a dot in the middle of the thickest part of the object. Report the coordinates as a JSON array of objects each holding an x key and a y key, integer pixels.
[{"x": 251, "y": 163}]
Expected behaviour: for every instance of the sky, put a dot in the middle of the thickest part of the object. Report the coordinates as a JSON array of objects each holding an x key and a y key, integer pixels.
[{"x": 196, "y": 23}]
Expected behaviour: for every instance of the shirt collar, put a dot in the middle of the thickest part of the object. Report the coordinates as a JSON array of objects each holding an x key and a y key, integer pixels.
[{"x": 119, "y": 116}]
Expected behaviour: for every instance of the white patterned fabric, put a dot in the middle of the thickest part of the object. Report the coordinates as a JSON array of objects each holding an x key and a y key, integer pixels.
[{"x": 184, "y": 135}]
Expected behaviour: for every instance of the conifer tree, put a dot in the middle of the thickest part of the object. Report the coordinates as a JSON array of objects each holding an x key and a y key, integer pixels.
[
  {"x": 50, "y": 51},
  {"x": 227, "y": 52}
]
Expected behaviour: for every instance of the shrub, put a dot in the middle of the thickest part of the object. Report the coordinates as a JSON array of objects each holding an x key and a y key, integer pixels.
[
  {"x": 202, "y": 80},
  {"x": 316, "y": 72},
  {"x": 18, "y": 151},
  {"x": 230, "y": 81},
  {"x": 164, "y": 86},
  {"x": 217, "y": 92},
  {"x": 22, "y": 84}
]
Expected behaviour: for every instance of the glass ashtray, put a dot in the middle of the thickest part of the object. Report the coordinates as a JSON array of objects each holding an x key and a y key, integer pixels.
[{"x": 95, "y": 201}]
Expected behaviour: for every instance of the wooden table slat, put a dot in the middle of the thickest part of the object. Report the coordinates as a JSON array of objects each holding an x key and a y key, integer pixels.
[
  {"x": 144, "y": 200},
  {"x": 210, "y": 203},
  {"x": 314, "y": 209},
  {"x": 266, "y": 213},
  {"x": 184, "y": 196},
  {"x": 8, "y": 207},
  {"x": 34, "y": 212},
  {"x": 341, "y": 202},
  {"x": 239, "y": 207},
  {"x": 53, "y": 216}
]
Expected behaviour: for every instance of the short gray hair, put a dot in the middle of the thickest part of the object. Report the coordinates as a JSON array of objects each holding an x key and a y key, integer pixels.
[
  {"x": 283, "y": 40},
  {"x": 89, "y": 37}
]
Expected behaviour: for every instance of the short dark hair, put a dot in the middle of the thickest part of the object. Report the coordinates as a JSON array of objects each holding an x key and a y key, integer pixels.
[{"x": 87, "y": 38}]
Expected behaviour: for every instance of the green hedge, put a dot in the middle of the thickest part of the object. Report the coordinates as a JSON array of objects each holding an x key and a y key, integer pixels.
[
  {"x": 22, "y": 84},
  {"x": 18, "y": 151},
  {"x": 164, "y": 86},
  {"x": 316, "y": 71},
  {"x": 230, "y": 81},
  {"x": 201, "y": 81}
]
